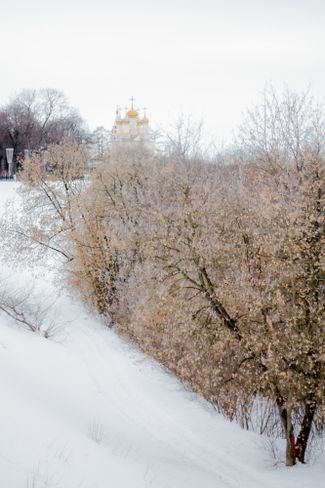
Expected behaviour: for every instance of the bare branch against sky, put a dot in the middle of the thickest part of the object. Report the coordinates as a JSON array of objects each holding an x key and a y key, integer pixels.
[{"x": 209, "y": 58}]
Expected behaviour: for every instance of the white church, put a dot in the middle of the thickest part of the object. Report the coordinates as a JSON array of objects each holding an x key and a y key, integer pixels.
[{"x": 130, "y": 127}]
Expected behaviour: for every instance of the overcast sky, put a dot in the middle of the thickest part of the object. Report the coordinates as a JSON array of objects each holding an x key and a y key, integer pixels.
[{"x": 210, "y": 58}]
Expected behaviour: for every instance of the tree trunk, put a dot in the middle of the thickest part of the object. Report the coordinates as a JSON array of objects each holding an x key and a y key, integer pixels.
[
  {"x": 288, "y": 430},
  {"x": 303, "y": 437}
]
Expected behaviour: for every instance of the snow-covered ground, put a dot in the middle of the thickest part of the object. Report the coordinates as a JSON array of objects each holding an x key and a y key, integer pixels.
[{"x": 86, "y": 410}]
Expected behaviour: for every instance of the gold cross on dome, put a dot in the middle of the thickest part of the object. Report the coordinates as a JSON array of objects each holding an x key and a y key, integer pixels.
[
  {"x": 132, "y": 99},
  {"x": 144, "y": 111}
]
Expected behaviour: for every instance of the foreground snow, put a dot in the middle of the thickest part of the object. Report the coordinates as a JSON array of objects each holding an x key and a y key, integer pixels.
[{"x": 86, "y": 410}]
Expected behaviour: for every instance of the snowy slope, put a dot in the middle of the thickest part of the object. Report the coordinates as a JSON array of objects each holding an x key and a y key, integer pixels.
[{"x": 86, "y": 410}]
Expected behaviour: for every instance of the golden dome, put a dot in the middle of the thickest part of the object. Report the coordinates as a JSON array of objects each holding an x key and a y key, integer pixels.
[
  {"x": 132, "y": 114},
  {"x": 143, "y": 121}
]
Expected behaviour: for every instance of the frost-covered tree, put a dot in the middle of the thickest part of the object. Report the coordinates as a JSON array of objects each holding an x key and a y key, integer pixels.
[{"x": 216, "y": 270}]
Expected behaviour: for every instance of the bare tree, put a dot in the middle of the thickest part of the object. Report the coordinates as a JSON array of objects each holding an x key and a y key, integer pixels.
[{"x": 35, "y": 118}]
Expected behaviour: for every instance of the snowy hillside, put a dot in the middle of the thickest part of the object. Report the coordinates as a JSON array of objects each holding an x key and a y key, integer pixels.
[{"x": 84, "y": 409}]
